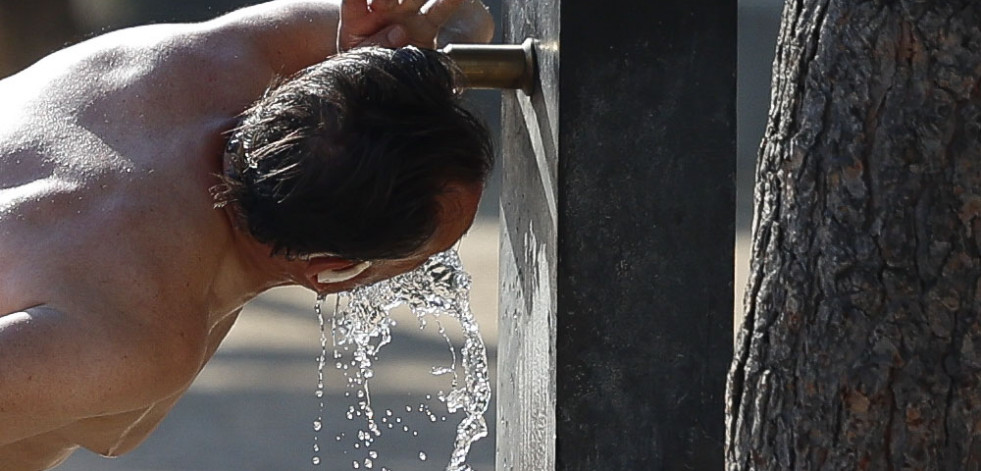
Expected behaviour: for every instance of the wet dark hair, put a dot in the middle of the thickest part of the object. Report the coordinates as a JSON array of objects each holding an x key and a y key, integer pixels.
[{"x": 348, "y": 156}]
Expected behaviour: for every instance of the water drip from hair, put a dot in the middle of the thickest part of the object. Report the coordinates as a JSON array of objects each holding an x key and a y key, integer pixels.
[{"x": 319, "y": 392}]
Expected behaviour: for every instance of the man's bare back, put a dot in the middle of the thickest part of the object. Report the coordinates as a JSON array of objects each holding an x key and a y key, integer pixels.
[{"x": 118, "y": 277}]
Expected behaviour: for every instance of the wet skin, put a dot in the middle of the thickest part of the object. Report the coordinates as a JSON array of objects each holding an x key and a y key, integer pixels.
[{"x": 118, "y": 277}]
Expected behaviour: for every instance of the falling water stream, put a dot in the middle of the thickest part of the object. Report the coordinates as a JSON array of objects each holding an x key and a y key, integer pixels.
[{"x": 362, "y": 322}]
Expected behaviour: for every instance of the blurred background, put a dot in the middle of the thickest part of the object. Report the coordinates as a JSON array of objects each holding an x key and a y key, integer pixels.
[{"x": 253, "y": 406}]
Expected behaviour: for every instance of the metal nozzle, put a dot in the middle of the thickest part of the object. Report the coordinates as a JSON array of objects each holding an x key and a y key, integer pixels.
[{"x": 510, "y": 66}]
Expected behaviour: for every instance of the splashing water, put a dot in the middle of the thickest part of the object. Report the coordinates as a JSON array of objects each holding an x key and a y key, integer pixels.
[{"x": 438, "y": 287}]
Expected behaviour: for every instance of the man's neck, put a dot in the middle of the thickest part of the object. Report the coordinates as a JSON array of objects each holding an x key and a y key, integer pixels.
[{"x": 247, "y": 269}]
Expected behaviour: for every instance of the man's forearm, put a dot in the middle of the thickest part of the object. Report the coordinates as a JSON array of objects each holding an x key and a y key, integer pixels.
[{"x": 290, "y": 34}]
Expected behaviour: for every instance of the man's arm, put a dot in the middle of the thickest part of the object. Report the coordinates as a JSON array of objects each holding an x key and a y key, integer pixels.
[
  {"x": 293, "y": 34},
  {"x": 288, "y": 34},
  {"x": 56, "y": 369},
  {"x": 149, "y": 419}
]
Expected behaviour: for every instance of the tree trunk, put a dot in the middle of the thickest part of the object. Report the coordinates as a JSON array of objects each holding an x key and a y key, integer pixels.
[
  {"x": 31, "y": 29},
  {"x": 861, "y": 345}
]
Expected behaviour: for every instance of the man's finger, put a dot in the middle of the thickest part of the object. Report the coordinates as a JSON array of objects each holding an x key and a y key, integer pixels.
[
  {"x": 391, "y": 37},
  {"x": 383, "y": 5},
  {"x": 438, "y": 11},
  {"x": 353, "y": 9}
]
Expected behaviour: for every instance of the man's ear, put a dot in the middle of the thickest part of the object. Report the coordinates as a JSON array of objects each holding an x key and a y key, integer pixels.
[{"x": 328, "y": 270}]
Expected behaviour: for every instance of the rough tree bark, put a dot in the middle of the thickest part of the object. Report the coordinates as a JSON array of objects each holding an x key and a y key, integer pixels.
[
  {"x": 30, "y": 29},
  {"x": 861, "y": 347}
]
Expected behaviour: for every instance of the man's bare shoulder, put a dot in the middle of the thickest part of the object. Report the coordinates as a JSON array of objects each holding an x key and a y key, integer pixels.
[{"x": 181, "y": 68}]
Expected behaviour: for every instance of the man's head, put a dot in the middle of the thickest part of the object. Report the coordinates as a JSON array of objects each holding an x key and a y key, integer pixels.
[{"x": 363, "y": 157}]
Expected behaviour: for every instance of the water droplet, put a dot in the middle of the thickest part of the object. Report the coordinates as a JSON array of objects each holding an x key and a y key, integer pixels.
[
  {"x": 317, "y": 425},
  {"x": 422, "y": 455},
  {"x": 316, "y": 460},
  {"x": 441, "y": 370}
]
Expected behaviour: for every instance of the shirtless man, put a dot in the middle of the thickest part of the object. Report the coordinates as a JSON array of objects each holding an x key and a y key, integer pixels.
[{"x": 119, "y": 273}]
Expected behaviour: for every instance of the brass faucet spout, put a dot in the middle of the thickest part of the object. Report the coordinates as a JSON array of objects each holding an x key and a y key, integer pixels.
[{"x": 509, "y": 66}]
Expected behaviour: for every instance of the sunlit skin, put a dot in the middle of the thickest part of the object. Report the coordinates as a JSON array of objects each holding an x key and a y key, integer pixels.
[{"x": 119, "y": 278}]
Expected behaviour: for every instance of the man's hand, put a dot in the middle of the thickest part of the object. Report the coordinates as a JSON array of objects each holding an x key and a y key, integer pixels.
[
  {"x": 397, "y": 23},
  {"x": 471, "y": 23}
]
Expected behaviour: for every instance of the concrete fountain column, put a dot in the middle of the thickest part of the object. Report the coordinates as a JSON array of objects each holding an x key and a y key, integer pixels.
[{"x": 617, "y": 240}]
